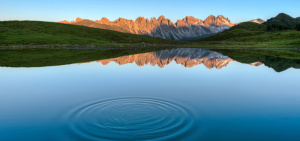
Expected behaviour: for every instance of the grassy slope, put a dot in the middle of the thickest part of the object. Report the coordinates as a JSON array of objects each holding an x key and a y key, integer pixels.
[
  {"x": 89, "y": 23},
  {"x": 54, "y": 57},
  {"x": 253, "y": 34},
  {"x": 48, "y": 33}
]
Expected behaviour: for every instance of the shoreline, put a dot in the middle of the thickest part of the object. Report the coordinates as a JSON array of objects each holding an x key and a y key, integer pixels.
[{"x": 143, "y": 47}]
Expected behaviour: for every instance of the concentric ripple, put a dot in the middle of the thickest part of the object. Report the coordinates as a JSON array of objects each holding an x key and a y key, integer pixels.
[{"x": 132, "y": 119}]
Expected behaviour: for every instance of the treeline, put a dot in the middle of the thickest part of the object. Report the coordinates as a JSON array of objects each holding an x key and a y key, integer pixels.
[
  {"x": 298, "y": 27},
  {"x": 282, "y": 27}
]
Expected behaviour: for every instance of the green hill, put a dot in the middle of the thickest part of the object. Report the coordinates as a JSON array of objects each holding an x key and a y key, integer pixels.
[
  {"x": 48, "y": 33},
  {"x": 242, "y": 30},
  {"x": 283, "y": 20},
  {"x": 253, "y": 34}
]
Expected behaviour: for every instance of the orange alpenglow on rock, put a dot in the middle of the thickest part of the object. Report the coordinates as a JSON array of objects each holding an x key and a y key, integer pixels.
[
  {"x": 78, "y": 20},
  {"x": 189, "y": 27},
  {"x": 256, "y": 64},
  {"x": 67, "y": 22},
  {"x": 217, "y": 61},
  {"x": 150, "y": 58}
]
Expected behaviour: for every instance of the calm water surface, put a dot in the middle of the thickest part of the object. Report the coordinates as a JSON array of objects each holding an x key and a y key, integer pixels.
[{"x": 179, "y": 94}]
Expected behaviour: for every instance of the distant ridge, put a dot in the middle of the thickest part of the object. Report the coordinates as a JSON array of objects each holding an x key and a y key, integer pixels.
[
  {"x": 185, "y": 29},
  {"x": 284, "y": 20},
  {"x": 259, "y": 21}
]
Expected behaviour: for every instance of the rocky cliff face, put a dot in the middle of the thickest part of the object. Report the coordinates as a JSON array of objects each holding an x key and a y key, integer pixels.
[
  {"x": 186, "y": 57},
  {"x": 185, "y": 29}
]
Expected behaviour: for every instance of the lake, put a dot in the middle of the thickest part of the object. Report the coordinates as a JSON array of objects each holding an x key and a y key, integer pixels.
[{"x": 175, "y": 94}]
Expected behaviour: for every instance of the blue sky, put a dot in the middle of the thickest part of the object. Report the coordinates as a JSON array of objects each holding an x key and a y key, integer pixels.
[{"x": 57, "y": 10}]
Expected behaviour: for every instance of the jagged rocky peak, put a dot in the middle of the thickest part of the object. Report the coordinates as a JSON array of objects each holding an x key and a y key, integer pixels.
[
  {"x": 210, "y": 20},
  {"x": 142, "y": 20},
  {"x": 221, "y": 17},
  {"x": 78, "y": 19},
  {"x": 153, "y": 20},
  {"x": 163, "y": 21},
  {"x": 120, "y": 20},
  {"x": 64, "y": 21},
  {"x": 139, "y": 19},
  {"x": 181, "y": 23},
  {"x": 103, "y": 20},
  {"x": 162, "y": 17},
  {"x": 220, "y": 20},
  {"x": 190, "y": 20}
]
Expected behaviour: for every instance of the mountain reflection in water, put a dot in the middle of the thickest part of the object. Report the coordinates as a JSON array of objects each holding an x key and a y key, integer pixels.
[
  {"x": 47, "y": 96},
  {"x": 188, "y": 57}
]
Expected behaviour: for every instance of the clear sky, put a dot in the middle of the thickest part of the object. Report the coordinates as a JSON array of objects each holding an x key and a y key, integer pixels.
[{"x": 58, "y": 10}]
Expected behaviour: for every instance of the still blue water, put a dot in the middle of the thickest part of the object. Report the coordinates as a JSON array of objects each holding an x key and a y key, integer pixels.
[{"x": 92, "y": 101}]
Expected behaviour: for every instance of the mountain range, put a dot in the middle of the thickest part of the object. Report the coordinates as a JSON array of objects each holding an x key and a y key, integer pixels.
[{"x": 188, "y": 28}]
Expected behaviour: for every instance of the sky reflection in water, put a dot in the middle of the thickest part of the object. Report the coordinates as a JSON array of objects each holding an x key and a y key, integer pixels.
[{"x": 237, "y": 102}]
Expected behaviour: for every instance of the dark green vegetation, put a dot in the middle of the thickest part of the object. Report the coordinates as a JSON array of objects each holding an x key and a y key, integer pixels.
[
  {"x": 282, "y": 22},
  {"x": 241, "y": 30},
  {"x": 253, "y": 34},
  {"x": 298, "y": 27},
  {"x": 55, "y": 57},
  {"x": 278, "y": 59},
  {"x": 47, "y": 33},
  {"x": 280, "y": 31}
]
